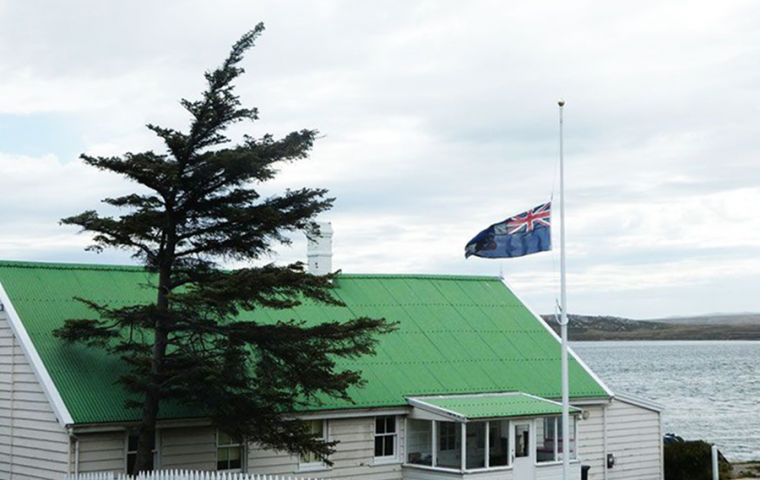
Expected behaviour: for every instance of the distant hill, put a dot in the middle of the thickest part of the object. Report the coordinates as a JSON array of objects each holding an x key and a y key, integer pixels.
[
  {"x": 715, "y": 319},
  {"x": 708, "y": 327}
]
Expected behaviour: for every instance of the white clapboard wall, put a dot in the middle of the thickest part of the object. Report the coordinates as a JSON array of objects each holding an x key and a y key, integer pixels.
[{"x": 180, "y": 475}]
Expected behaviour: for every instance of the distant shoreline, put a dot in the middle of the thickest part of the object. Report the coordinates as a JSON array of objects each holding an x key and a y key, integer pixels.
[{"x": 600, "y": 328}]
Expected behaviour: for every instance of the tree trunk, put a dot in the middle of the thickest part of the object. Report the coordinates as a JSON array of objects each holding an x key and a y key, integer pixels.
[{"x": 147, "y": 429}]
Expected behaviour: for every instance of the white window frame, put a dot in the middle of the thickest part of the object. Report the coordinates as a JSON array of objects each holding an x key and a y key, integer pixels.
[
  {"x": 156, "y": 450},
  {"x": 435, "y": 427},
  {"x": 557, "y": 426},
  {"x": 396, "y": 443},
  {"x": 239, "y": 445},
  {"x": 318, "y": 464}
]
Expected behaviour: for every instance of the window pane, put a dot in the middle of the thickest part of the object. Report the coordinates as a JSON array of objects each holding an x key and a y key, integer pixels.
[
  {"x": 498, "y": 443},
  {"x": 449, "y": 454},
  {"x": 316, "y": 427},
  {"x": 132, "y": 442},
  {"x": 389, "y": 440},
  {"x": 476, "y": 445},
  {"x": 234, "y": 453},
  {"x": 380, "y": 425},
  {"x": 546, "y": 438},
  {"x": 522, "y": 440},
  {"x": 131, "y": 463},
  {"x": 390, "y": 424},
  {"x": 419, "y": 442},
  {"x": 378, "y": 446}
]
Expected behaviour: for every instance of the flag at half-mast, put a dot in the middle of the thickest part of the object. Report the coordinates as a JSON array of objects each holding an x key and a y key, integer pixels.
[{"x": 525, "y": 233}]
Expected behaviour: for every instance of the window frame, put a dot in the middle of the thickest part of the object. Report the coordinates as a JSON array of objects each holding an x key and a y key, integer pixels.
[
  {"x": 317, "y": 464},
  {"x": 127, "y": 452},
  {"x": 395, "y": 435},
  {"x": 573, "y": 440},
  {"x": 435, "y": 435},
  {"x": 240, "y": 445}
]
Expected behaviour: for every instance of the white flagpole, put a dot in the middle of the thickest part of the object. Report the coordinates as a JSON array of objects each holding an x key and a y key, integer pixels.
[{"x": 563, "y": 306}]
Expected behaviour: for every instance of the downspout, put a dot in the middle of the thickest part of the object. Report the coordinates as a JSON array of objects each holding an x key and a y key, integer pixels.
[
  {"x": 75, "y": 439},
  {"x": 604, "y": 442}
]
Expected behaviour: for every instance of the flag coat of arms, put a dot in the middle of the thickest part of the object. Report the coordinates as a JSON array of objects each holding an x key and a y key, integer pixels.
[{"x": 525, "y": 233}]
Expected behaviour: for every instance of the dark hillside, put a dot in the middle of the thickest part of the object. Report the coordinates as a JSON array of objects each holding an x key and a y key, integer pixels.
[{"x": 585, "y": 327}]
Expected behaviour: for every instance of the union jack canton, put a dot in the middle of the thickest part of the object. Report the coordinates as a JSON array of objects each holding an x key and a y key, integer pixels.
[{"x": 525, "y": 233}]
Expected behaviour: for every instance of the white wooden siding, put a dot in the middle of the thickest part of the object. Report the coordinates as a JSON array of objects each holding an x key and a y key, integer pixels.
[
  {"x": 415, "y": 473},
  {"x": 102, "y": 452},
  {"x": 189, "y": 448},
  {"x": 554, "y": 471},
  {"x": 591, "y": 441},
  {"x": 353, "y": 458},
  {"x": 634, "y": 437},
  {"x": 33, "y": 445}
]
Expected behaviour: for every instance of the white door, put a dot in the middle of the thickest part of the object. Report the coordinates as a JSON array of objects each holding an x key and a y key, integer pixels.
[{"x": 522, "y": 450}]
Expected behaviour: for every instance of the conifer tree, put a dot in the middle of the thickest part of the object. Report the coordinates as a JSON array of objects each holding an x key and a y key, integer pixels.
[{"x": 196, "y": 207}]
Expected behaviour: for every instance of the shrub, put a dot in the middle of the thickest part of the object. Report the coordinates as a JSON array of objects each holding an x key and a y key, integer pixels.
[{"x": 692, "y": 460}]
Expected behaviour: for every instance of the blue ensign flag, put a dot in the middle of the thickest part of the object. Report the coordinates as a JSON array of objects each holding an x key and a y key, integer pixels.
[{"x": 523, "y": 234}]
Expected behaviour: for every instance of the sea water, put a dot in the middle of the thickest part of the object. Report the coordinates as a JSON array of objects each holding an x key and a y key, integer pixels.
[{"x": 710, "y": 389}]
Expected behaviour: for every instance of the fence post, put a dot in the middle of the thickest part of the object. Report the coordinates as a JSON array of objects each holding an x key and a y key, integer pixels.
[{"x": 715, "y": 469}]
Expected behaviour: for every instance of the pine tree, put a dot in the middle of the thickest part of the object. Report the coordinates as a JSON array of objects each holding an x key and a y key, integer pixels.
[{"x": 196, "y": 208}]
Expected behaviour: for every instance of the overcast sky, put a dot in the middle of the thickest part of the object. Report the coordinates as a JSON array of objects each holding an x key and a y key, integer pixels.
[{"x": 438, "y": 118}]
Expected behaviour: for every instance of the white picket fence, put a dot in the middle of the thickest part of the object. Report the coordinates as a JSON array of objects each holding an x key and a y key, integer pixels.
[{"x": 181, "y": 475}]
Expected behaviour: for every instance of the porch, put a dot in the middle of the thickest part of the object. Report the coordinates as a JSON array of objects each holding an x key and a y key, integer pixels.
[{"x": 488, "y": 436}]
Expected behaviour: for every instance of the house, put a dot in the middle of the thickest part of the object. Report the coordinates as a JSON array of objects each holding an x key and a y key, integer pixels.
[{"x": 467, "y": 388}]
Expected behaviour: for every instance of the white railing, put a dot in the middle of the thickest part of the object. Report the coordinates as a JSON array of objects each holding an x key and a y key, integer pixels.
[{"x": 181, "y": 475}]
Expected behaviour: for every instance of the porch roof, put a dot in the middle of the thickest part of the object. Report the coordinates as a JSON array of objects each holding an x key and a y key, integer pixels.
[{"x": 489, "y": 405}]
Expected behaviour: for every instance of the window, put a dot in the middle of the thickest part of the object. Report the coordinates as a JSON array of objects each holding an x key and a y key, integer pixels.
[
  {"x": 439, "y": 444},
  {"x": 318, "y": 429},
  {"x": 132, "y": 438},
  {"x": 385, "y": 437},
  {"x": 229, "y": 452},
  {"x": 449, "y": 451},
  {"x": 522, "y": 440},
  {"x": 419, "y": 442},
  {"x": 549, "y": 439},
  {"x": 476, "y": 445},
  {"x": 498, "y": 443}
]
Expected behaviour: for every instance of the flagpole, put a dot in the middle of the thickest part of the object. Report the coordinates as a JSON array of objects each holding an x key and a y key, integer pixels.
[{"x": 563, "y": 308}]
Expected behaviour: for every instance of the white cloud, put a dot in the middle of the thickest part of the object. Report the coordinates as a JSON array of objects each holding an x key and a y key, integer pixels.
[{"x": 438, "y": 119}]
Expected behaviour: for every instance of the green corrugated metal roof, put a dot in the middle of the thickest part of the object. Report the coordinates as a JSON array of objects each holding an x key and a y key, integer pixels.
[
  {"x": 516, "y": 404},
  {"x": 456, "y": 335}
]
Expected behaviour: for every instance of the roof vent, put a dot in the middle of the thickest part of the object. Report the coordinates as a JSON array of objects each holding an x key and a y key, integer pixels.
[{"x": 319, "y": 250}]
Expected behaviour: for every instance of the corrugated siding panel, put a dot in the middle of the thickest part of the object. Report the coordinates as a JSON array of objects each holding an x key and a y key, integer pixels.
[
  {"x": 33, "y": 445},
  {"x": 456, "y": 335}
]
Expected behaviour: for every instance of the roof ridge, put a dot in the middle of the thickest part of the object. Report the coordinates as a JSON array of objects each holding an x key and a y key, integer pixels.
[
  {"x": 140, "y": 268},
  {"x": 422, "y": 276},
  {"x": 71, "y": 266}
]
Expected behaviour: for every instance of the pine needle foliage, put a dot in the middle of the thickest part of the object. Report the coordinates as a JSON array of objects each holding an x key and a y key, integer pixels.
[{"x": 196, "y": 209}]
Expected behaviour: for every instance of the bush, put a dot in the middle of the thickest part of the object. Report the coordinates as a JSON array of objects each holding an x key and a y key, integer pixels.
[{"x": 692, "y": 460}]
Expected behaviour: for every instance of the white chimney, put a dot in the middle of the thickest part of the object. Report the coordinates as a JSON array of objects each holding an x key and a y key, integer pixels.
[{"x": 319, "y": 250}]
